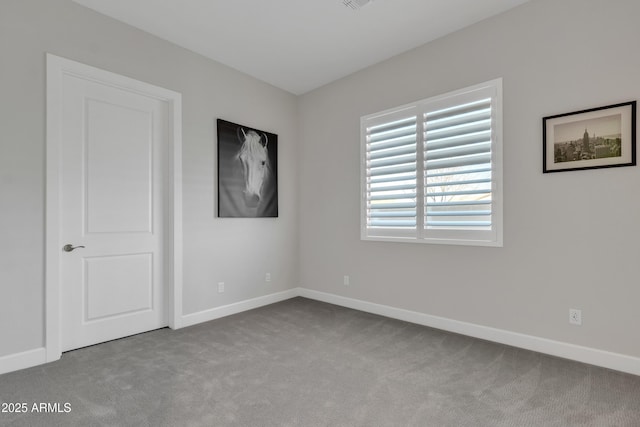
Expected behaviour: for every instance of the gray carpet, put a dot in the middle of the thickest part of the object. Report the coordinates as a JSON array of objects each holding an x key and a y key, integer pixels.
[{"x": 306, "y": 363}]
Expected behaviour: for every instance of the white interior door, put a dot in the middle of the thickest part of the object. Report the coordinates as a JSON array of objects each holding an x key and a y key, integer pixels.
[{"x": 112, "y": 158}]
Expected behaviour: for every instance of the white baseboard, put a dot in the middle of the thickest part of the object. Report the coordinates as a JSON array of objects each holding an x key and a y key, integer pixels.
[
  {"x": 605, "y": 359},
  {"x": 238, "y": 307},
  {"x": 26, "y": 359}
]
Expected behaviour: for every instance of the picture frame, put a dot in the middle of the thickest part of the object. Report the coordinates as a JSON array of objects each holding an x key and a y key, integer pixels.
[
  {"x": 602, "y": 137},
  {"x": 247, "y": 172}
]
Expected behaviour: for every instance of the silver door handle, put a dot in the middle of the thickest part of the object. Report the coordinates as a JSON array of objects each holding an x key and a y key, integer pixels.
[{"x": 69, "y": 248}]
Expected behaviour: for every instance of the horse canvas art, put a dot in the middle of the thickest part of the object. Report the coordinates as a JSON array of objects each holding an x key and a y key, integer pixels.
[{"x": 247, "y": 172}]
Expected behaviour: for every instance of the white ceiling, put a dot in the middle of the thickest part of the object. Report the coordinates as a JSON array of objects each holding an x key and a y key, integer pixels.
[{"x": 299, "y": 45}]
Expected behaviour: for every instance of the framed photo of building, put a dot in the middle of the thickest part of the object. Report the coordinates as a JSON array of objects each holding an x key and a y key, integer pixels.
[
  {"x": 247, "y": 172},
  {"x": 601, "y": 137}
]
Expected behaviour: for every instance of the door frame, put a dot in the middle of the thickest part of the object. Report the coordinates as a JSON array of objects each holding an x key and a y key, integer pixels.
[{"x": 57, "y": 67}]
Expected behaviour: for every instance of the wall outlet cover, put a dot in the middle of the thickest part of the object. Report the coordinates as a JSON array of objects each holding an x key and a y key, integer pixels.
[{"x": 575, "y": 316}]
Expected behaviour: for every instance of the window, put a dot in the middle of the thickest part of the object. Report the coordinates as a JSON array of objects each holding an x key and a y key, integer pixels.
[{"x": 432, "y": 170}]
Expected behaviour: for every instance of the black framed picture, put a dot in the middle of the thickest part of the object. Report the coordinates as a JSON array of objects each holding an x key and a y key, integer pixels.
[
  {"x": 601, "y": 137},
  {"x": 247, "y": 172}
]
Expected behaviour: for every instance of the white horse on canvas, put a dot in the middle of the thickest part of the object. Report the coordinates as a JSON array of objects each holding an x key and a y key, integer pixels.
[{"x": 254, "y": 157}]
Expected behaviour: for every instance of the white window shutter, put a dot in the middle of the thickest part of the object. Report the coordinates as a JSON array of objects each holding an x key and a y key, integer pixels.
[
  {"x": 432, "y": 170},
  {"x": 457, "y": 152},
  {"x": 391, "y": 171}
]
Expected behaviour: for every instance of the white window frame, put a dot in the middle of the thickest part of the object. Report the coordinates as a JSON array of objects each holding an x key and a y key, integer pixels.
[{"x": 493, "y": 237}]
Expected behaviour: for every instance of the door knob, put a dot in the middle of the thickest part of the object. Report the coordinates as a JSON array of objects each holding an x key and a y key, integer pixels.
[{"x": 69, "y": 248}]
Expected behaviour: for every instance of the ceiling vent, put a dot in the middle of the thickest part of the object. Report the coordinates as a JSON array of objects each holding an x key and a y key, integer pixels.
[{"x": 356, "y": 4}]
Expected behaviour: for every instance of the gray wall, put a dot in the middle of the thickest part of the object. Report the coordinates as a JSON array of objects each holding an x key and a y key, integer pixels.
[
  {"x": 236, "y": 251},
  {"x": 570, "y": 239}
]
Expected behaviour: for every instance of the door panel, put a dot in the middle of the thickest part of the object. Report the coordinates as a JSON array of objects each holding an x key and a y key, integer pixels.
[
  {"x": 117, "y": 285},
  {"x": 111, "y": 131},
  {"x": 112, "y": 158}
]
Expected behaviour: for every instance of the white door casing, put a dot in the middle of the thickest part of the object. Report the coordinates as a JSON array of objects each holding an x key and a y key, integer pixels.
[{"x": 113, "y": 186}]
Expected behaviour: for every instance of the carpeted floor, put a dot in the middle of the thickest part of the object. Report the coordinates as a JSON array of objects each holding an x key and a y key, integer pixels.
[{"x": 306, "y": 363}]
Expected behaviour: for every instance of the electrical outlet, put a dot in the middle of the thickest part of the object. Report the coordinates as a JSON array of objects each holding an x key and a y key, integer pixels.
[
  {"x": 575, "y": 316},
  {"x": 267, "y": 277},
  {"x": 220, "y": 287},
  {"x": 346, "y": 281}
]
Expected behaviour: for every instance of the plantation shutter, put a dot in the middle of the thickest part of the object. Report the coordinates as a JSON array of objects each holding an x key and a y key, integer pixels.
[
  {"x": 391, "y": 188},
  {"x": 432, "y": 170},
  {"x": 457, "y": 153}
]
